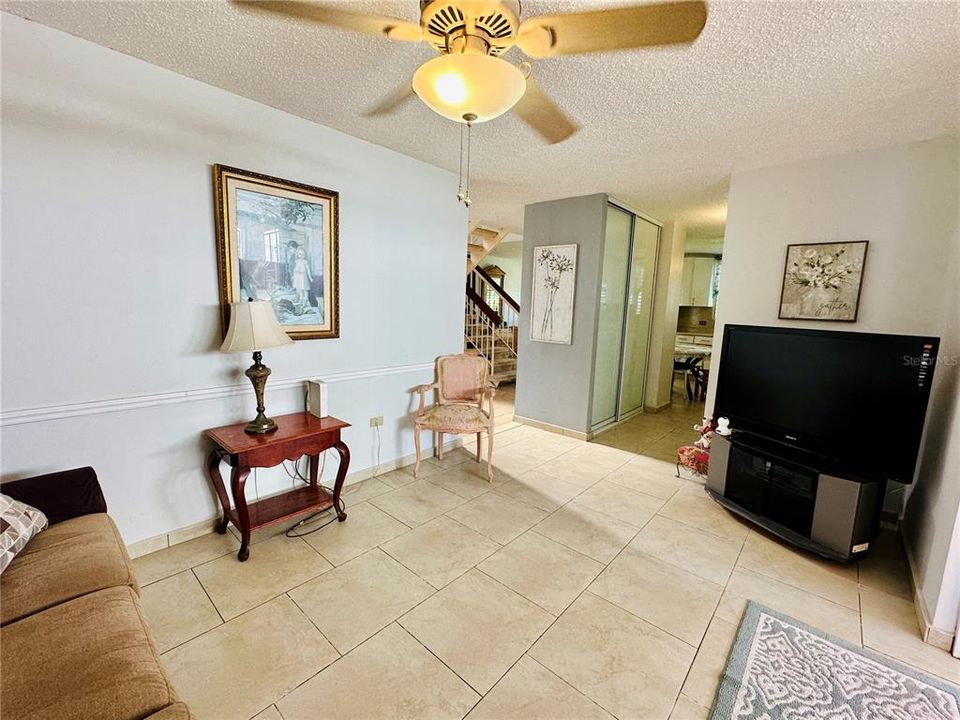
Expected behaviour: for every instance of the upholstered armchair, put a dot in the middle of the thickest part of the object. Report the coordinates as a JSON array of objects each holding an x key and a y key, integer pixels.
[{"x": 462, "y": 386}]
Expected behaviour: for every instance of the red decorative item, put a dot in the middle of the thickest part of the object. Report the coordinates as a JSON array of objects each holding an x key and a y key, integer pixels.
[{"x": 696, "y": 457}]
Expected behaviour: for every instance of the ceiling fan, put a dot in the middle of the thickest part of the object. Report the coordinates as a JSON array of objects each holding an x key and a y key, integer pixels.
[{"x": 469, "y": 82}]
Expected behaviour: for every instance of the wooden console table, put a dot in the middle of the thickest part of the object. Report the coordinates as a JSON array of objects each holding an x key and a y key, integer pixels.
[{"x": 296, "y": 435}]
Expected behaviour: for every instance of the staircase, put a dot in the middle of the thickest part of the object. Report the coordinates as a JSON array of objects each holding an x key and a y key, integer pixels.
[
  {"x": 488, "y": 331},
  {"x": 480, "y": 242}
]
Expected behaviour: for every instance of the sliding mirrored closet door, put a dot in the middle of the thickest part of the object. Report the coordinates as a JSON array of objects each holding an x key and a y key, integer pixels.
[
  {"x": 639, "y": 315},
  {"x": 613, "y": 291},
  {"x": 631, "y": 243}
]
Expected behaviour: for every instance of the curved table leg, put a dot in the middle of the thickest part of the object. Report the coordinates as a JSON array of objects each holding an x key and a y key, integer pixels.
[
  {"x": 216, "y": 479},
  {"x": 238, "y": 480},
  {"x": 344, "y": 453}
]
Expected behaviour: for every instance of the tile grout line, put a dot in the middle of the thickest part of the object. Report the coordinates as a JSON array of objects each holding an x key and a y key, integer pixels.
[
  {"x": 435, "y": 591},
  {"x": 310, "y": 620},
  {"x": 792, "y": 584},
  {"x": 479, "y": 694},
  {"x": 580, "y": 693},
  {"x": 511, "y": 590},
  {"x": 532, "y": 528},
  {"x": 712, "y": 618},
  {"x": 572, "y": 549},
  {"x": 553, "y": 622},
  {"x": 365, "y": 640},
  {"x": 207, "y": 593}
]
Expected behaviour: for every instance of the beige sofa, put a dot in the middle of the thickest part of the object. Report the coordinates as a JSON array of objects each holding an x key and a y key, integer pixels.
[{"x": 74, "y": 644}]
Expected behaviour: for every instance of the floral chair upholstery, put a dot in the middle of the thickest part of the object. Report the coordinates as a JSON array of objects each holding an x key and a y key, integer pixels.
[{"x": 462, "y": 386}]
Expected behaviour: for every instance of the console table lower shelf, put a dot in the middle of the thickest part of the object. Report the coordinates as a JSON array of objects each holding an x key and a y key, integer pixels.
[{"x": 297, "y": 435}]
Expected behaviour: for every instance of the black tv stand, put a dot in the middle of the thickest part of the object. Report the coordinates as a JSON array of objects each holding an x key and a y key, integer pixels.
[{"x": 795, "y": 495}]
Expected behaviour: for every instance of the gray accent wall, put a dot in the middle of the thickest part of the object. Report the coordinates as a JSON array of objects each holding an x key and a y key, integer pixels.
[{"x": 554, "y": 382}]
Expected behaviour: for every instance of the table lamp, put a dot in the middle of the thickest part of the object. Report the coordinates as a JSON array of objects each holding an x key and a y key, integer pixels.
[{"x": 253, "y": 327}]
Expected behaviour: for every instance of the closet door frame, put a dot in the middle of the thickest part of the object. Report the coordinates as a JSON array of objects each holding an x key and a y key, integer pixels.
[
  {"x": 614, "y": 418},
  {"x": 618, "y": 416},
  {"x": 649, "y": 330}
]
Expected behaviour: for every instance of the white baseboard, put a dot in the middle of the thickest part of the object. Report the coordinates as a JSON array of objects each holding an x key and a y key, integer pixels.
[
  {"x": 205, "y": 527},
  {"x": 557, "y": 429},
  {"x": 929, "y": 633}
]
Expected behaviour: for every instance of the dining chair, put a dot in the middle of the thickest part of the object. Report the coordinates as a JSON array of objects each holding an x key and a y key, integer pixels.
[{"x": 463, "y": 384}]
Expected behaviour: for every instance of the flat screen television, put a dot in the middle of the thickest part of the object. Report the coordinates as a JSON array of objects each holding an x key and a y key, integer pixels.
[{"x": 855, "y": 400}]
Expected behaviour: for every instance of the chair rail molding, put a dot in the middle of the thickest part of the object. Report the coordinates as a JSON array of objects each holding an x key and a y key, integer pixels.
[{"x": 135, "y": 402}]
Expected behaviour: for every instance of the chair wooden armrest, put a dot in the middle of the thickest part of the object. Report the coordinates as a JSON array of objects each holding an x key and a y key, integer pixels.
[
  {"x": 423, "y": 390},
  {"x": 489, "y": 390}
]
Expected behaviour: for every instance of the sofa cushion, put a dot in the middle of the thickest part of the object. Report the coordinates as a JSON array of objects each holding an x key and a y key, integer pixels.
[
  {"x": 19, "y": 522},
  {"x": 63, "y": 562},
  {"x": 88, "y": 659}
]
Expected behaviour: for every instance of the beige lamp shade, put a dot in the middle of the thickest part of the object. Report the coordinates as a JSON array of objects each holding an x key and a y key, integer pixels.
[
  {"x": 475, "y": 85},
  {"x": 253, "y": 326}
]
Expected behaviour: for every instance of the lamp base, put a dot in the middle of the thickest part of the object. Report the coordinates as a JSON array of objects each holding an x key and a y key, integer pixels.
[
  {"x": 258, "y": 374},
  {"x": 260, "y": 425}
]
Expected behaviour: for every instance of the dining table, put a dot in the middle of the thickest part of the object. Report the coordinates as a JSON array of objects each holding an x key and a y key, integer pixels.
[
  {"x": 684, "y": 350},
  {"x": 689, "y": 358}
]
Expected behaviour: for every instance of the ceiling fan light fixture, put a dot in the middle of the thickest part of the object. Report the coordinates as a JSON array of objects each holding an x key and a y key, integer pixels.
[{"x": 456, "y": 86}]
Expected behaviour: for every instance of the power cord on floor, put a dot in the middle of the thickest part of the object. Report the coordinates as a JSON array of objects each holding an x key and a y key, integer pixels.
[{"x": 291, "y": 533}]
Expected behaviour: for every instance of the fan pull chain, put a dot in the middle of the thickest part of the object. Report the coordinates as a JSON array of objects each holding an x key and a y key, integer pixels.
[
  {"x": 463, "y": 194},
  {"x": 466, "y": 199},
  {"x": 460, "y": 193}
]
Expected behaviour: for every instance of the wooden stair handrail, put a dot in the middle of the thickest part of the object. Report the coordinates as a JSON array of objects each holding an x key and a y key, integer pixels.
[
  {"x": 492, "y": 315},
  {"x": 504, "y": 295}
]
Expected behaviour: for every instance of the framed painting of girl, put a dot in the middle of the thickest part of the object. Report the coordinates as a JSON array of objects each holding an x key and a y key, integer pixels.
[{"x": 277, "y": 241}]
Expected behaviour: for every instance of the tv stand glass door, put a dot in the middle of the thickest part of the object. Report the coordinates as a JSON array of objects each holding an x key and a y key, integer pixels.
[{"x": 770, "y": 487}]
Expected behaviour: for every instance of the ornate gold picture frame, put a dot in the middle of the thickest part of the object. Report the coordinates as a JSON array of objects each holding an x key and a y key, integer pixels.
[{"x": 277, "y": 240}]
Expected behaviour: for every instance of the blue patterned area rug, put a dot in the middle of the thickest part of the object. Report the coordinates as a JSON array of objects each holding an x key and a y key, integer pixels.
[{"x": 781, "y": 669}]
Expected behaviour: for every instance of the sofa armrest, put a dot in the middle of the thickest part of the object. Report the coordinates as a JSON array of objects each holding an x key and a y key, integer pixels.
[
  {"x": 61, "y": 495},
  {"x": 177, "y": 711}
]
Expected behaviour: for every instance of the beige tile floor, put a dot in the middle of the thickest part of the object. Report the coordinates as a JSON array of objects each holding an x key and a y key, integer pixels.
[
  {"x": 503, "y": 403},
  {"x": 584, "y": 582},
  {"x": 657, "y": 434}
]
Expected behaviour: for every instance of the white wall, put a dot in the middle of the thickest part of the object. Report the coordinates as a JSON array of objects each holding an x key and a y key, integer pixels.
[
  {"x": 110, "y": 283},
  {"x": 666, "y": 307},
  {"x": 711, "y": 245},
  {"x": 904, "y": 200},
  {"x": 508, "y": 256}
]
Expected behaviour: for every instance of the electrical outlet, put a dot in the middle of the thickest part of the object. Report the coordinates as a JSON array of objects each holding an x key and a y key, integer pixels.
[{"x": 376, "y": 421}]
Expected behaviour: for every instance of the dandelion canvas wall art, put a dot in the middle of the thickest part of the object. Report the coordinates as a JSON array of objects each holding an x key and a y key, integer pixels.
[
  {"x": 821, "y": 281},
  {"x": 554, "y": 281},
  {"x": 277, "y": 241}
]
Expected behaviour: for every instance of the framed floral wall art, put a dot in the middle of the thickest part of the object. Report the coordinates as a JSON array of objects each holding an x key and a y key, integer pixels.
[
  {"x": 821, "y": 281},
  {"x": 554, "y": 281},
  {"x": 277, "y": 241}
]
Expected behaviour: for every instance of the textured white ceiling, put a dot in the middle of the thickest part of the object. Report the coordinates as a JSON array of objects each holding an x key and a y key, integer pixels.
[{"x": 767, "y": 82}]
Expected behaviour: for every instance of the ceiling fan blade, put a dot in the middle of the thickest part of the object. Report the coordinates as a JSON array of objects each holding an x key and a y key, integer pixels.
[
  {"x": 541, "y": 113},
  {"x": 393, "y": 28},
  {"x": 390, "y": 103},
  {"x": 614, "y": 29}
]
